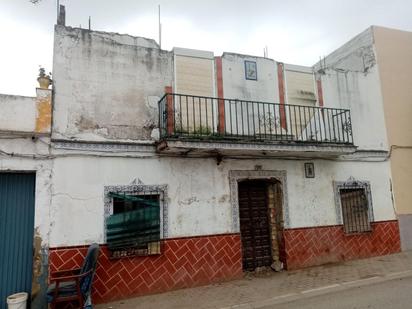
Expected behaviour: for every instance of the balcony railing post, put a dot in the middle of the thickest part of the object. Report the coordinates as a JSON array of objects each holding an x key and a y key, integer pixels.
[{"x": 170, "y": 111}]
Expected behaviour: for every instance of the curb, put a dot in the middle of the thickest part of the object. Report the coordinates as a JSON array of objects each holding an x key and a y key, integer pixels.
[{"x": 321, "y": 291}]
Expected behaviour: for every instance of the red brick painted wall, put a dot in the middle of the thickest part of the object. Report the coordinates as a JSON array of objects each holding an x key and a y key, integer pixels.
[
  {"x": 221, "y": 103},
  {"x": 319, "y": 245},
  {"x": 184, "y": 262}
]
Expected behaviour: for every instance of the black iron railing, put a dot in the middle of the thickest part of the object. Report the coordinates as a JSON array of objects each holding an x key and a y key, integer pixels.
[{"x": 198, "y": 117}]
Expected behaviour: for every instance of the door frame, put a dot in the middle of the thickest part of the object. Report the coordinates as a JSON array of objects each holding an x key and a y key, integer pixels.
[
  {"x": 270, "y": 176},
  {"x": 238, "y": 175}
]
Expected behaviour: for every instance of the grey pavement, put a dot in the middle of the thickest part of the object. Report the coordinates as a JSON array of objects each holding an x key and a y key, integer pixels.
[
  {"x": 267, "y": 289},
  {"x": 394, "y": 294}
]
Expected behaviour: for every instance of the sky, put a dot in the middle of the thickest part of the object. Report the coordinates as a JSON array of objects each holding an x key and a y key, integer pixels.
[{"x": 295, "y": 31}]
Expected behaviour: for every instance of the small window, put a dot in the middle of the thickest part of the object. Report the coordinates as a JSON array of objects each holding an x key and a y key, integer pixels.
[
  {"x": 134, "y": 227},
  {"x": 250, "y": 70},
  {"x": 355, "y": 210}
]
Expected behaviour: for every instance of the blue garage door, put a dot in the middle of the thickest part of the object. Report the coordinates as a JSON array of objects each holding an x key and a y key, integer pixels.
[{"x": 16, "y": 233}]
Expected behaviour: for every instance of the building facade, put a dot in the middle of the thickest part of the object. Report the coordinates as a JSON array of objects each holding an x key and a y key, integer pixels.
[
  {"x": 393, "y": 48},
  {"x": 228, "y": 163},
  {"x": 384, "y": 53}
]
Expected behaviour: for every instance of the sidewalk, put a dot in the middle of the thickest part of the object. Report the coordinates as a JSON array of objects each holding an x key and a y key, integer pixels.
[{"x": 268, "y": 288}]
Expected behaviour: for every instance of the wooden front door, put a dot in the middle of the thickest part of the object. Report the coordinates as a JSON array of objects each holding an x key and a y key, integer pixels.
[{"x": 254, "y": 224}]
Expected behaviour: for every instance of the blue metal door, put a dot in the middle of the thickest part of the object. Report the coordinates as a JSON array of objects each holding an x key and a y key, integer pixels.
[{"x": 16, "y": 233}]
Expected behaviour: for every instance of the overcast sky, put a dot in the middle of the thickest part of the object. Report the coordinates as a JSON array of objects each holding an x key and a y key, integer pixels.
[{"x": 297, "y": 31}]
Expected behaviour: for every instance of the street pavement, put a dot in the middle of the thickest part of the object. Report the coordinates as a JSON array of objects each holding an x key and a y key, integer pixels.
[
  {"x": 393, "y": 294},
  {"x": 267, "y": 289}
]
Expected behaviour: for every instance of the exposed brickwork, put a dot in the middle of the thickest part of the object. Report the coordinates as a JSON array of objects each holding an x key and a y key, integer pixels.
[
  {"x": 315, "y": 246},
  {"x": 185, "y": 262}
]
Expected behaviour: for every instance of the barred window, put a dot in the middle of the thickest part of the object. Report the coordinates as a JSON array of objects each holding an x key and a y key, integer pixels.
[
  {"x": 355, "y": 212},
  {"x": 134, "y": 226}
]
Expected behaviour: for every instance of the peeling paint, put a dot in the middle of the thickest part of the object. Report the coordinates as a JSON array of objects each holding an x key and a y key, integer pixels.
[
  {"x": 44, "y": 111},
  {"x": 189, "y": 201},
  {"x": 40, "y": 272},
  {"x": 351, "y": 80},
  {"x": 107, "y": 85},
  {"x": 84, "y": 124},
  {"x": 224, "y": 198},
  {"x": 36, "y": 263}
]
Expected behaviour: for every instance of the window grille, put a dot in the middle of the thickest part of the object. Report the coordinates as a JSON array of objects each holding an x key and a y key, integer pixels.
[
  {"x": 355, "y": 212},
  {"x": 134, "y": 227}
]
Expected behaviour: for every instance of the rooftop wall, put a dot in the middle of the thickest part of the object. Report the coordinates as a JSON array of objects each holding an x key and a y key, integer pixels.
[
  {"x": 107, "y": 85},
  {"x": 350, "y": 79},
  {"x": 394, "y": 50},
  {"x": 18, "y": 113},
  {"x": 236, "y": 86}
]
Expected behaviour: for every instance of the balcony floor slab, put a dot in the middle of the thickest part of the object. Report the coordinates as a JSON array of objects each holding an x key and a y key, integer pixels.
[{"x": 196, "y": 148}]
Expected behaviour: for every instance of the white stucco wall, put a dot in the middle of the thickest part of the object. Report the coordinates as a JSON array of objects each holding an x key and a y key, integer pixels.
[
  {"x": 29, "y": 155},
  {"x": 236, "y": 86},
  {"x": 106, "y": 88},
  {"x": 199, "y": 193},
  {"x": 106, "y": 85},
  {"x": 351, "y": 81},
  {"x": 18, "y": 113}
]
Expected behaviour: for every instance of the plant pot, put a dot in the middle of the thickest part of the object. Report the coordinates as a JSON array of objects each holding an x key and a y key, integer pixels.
[{"x": 44, "y": 82}]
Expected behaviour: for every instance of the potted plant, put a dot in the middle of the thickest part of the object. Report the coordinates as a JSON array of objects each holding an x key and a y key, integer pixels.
[{"x": 44, "y": 79}]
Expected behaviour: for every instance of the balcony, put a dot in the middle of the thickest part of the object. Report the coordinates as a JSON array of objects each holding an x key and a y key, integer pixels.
[{"x": 198, "y": 125}]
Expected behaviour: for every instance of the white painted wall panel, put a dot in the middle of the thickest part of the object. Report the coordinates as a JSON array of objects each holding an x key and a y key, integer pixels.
[
  {"x": 236, "y": 86},
  {"x": 300, "y": 88},
  {"x": 17, "y": 113},
  {"x": 194, "y": 76},
  {"x": 199, "y": 193}
]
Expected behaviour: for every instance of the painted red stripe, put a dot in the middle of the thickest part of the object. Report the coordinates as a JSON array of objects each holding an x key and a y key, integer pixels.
[
  {"x": 281, "y": 85},
  {"x": 221, "y": 103}
]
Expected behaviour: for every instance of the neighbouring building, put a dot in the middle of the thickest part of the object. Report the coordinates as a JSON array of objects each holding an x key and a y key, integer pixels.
[
  {"x": 190, "y": 169},
  {"x": 393, "y": 49},
  {"x": 25, "y": 193}
]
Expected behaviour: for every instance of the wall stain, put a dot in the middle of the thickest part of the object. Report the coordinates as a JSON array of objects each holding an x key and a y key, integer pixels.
[
  {"x": 40, "y": 272},
  {"x": 43, "y": 119}
]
